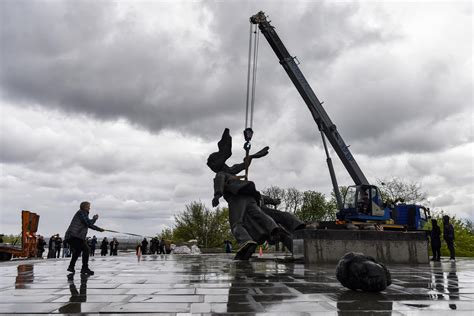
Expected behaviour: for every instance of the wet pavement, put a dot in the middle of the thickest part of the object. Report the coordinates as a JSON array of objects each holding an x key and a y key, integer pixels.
[{"x": 208, "y": 284}]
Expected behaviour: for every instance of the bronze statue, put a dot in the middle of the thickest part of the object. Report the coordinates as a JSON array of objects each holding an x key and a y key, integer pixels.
[{"x": 251, "y": 222}]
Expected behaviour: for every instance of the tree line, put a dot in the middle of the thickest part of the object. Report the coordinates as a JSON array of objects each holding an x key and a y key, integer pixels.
[{"x": 211, "y": 226}]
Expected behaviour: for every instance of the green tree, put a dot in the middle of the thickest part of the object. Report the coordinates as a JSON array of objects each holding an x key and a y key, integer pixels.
[
  {"x": 166, "y": 234},
  {"x": 12, "y": 239},
  {"x": 396, "y": 189},
  {"x": 197, "y": 221},
  {"x": 332, "y": 200},
  {"x": 293, "y": 200},
  {"x": 275, "y": 192},
  {"x": 315, "y": 207},
  {"x": 221, "y": 228}
]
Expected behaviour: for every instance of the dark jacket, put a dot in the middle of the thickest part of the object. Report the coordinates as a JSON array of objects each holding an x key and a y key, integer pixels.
[
  {"x": 80, "y": 223},
  {"x": 40, "y": 245},
  {"x": 435, "y": 235},
  {"x": 448, "y": 232},
  {"x": 58, "y": 241},
  {"x": 93, "y": 242},
  {"x": 105, "y": 244},
  {"x": 51, "y": 242}
]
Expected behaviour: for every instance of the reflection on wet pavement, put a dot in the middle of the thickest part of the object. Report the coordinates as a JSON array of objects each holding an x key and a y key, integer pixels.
[
  {"x": 24, "y": 275},
  {"x": 77, "y": 297},
  {"x": 207, "y": 284}
]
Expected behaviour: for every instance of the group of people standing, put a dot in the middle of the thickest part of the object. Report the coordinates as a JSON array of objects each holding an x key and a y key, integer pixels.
[
  {"x": 157, "y": 246},
  {"x": 105, "y": 244},
  {"x": 55, "y": 244},
  {"x": 448, "y": 236}
]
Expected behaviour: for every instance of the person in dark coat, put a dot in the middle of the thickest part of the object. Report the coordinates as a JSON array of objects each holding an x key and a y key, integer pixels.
[
  {"x": 144, "y": 246},
  {"x": 40, "y": 246},
  {"x": 161, "y": 247},
  {"x": 228, "y": 246},
  {"x": 114, "y": 247},
  {"x": 51, "y": 247},
  {"x": 154, "y": 245},
  {"x": 435, "y": 238},
  {"x": 58, "y": 241},
  {"x": 104, "y": 246},
  {"x": 167, "y": 247},
  {"x": 93, "y": 245},
  {"x": 76, "y": 237},
  {"x": 448, "y": 235}
]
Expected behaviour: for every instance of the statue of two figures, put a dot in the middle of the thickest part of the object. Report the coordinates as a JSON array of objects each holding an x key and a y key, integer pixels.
[{"x": 252, "y": 222}]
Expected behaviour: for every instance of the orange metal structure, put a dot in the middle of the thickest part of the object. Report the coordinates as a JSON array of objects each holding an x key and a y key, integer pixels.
[{"x": 29, "y": 227}]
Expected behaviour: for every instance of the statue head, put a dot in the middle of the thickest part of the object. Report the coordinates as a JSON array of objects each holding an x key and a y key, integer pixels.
[
  {"x": 357, "y": 271},
  {"x": 216, "y": 161}
]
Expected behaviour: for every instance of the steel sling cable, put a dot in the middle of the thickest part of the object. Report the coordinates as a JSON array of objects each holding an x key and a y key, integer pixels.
[
  {"x": 248, "y": 76},
  {"x": 251, "y": 84},
  {"x": 254, "y": 79}
]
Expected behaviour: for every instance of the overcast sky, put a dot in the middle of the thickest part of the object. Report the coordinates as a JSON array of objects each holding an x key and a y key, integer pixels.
[{"x": 120, "y": 103}]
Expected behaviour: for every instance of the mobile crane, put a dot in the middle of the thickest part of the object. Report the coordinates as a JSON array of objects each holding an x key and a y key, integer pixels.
[{"x": 362, "y": 201}]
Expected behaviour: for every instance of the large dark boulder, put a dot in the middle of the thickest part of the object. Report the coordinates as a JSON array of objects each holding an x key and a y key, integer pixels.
[{"x": 357, "y": 271}]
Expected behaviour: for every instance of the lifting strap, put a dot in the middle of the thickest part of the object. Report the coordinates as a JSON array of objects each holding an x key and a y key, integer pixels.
[{"x": 251, "y": 88}]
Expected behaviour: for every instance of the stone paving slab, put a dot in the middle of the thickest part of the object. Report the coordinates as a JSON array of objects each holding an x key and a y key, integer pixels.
[{"x": 215, "y": 284}]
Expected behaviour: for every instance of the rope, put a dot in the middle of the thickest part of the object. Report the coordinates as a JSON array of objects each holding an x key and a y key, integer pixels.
[{"x": 114, "y": 231}]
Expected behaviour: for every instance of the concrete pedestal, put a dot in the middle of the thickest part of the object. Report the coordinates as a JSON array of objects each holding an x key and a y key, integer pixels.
[{"x": 328, "y": 246}]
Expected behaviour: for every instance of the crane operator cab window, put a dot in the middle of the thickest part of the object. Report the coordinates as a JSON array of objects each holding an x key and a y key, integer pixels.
[
  {"x": 376, "y": 202},
  {"x": 364, "y": 199},
  {"x": 350, "y": 198},
  {"x": 363, "y": 202}
]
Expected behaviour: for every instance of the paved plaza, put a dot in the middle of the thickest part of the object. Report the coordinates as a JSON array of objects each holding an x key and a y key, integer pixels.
[{"x": 208, "y": 284}]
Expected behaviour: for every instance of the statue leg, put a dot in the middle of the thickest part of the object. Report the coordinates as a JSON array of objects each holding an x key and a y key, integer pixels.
[
  {"x": 249, "y": 223},
  {"x": 263, "y": 226},
  {"x": 288, "y": 220},
  {"x": 237, "y": 208}
]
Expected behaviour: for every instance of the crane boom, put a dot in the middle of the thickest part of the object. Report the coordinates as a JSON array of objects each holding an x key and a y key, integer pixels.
[{"x": 319, "y": 114}]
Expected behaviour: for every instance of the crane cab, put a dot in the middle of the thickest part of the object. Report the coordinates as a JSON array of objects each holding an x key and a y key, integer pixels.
[{"x": 363, "y": 203}]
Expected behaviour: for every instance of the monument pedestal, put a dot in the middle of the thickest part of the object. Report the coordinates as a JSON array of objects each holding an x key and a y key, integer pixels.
[{"x": 328, "y": 245}]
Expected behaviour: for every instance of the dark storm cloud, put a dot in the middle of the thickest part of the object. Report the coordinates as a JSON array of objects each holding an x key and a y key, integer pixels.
[{"x": 83, "y": 57}]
